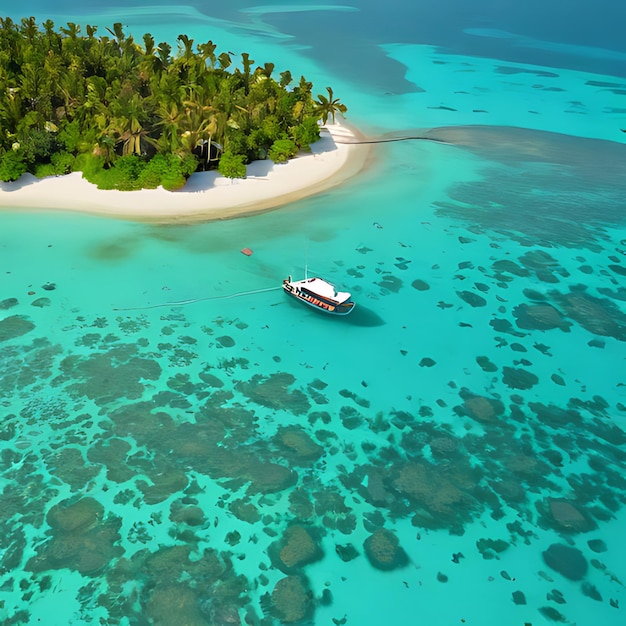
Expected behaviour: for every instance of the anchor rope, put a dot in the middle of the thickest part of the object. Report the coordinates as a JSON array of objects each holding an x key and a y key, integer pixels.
[{"x": 192, "y": 300}]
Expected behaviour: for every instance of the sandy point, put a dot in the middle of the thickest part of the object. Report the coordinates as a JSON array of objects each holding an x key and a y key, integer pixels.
[{"x": 336, "y": 157}]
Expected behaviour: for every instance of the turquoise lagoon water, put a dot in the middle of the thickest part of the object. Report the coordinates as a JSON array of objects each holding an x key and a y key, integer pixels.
[{"x": 228, "y": 460}]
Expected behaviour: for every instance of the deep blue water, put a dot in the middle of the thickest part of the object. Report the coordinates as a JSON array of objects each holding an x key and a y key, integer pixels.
[{"x": 238, "y": 459}]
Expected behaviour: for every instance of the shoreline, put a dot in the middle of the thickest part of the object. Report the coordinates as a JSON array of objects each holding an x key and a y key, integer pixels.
[{"x": 206, "y": 196}]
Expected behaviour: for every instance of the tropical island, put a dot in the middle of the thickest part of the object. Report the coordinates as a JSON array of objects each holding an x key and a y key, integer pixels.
[{"x": 138, "y": 117}]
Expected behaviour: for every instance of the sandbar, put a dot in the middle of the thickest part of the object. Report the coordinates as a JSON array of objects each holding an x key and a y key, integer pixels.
[{"x": 334, "y": 158}]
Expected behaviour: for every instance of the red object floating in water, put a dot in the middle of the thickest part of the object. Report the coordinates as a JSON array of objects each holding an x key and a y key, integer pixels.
[{"x": 247, "y": 251}]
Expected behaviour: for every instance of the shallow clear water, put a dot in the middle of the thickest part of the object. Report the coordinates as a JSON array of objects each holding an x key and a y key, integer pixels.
[{"x": 154, "y": 451}]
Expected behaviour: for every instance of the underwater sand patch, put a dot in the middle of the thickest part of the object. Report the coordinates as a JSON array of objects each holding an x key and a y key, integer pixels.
[{"x": 120, "y": 249}]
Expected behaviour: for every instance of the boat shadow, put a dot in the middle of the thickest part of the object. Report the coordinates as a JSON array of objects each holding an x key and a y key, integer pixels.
[
  {"x": 363, "y": 316},
  {"x": 360, "y": 316}
]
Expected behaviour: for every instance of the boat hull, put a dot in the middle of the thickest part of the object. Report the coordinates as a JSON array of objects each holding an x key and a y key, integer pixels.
[{"x": 315, "y": 301}]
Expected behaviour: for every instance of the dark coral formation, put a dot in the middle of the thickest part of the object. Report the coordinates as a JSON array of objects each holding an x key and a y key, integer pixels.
[
  {"x": 106, "y": 376},
  {"x": 82, "y": 539},
  {"x": 473, "y": 299},
  {"x": 273, "y": 392},
  {"x": 568, "y": 561},
  {"x": 383, "y": 550},
  {"x": 598, "y": 316},
  {"x": 540, "y": 316},
  {"x": 14, "y": 326},
  {"x": 565, "y": 515},
  {"x": 231, "y": 452},
  {"x": 296, "y": 548},
  {"x": 291, "y": 600}
]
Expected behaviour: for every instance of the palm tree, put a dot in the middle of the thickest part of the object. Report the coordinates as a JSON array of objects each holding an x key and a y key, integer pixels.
[
  {"x": 10, "y": 40},
  {"x": 10, "y": 111},
  {"x": 224, "y": 60},
  {"x": 96, "y": 103},
  {"x": 70, "y": 41},
  {"x": 52, "y": 38},
  {"x": 29, "y": 28},
  {"x": 266, "y": 70},
  {"x": 187, "y": 60},
  {"x": 33, "y": 91},
  {"x": 148, "y": 45},
  {"x": 204, "y": 125},
  {"x": 128, "y": 126},
  {"x": 304, "y": 87},
  {"x": 169, "y": 88},
  {"x": 135, "y": 137},
  {"x": 285, "y": 78},
  {"x": 326, "y": 107},
  {"x": 72, "y": 88},
  {"x": 148, "y": 63},
  {"x": 247, "y": 64},
  {"x": 170, "y": 118},
  {"x": 207, "y": 51},
  {"x": 105, "y": 148},
  {"x": 163, "y": 52},
  {"x": 118, "y": 34},
  {"x": 106, "y": 93}
]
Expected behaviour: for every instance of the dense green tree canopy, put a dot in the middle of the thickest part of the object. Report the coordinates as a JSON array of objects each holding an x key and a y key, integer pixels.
[
  {"x": 129, "y": 115},
  {"x": 232, "y": 165}
]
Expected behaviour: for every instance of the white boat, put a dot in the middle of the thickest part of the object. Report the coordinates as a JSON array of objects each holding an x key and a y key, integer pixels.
[{"x": 319, "y": 294}]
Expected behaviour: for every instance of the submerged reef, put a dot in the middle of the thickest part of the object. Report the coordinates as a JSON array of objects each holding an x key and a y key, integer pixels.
[
  {"x": 383, "y": 550},
  {"x": 566, "y": 560},
  {"x": 191, "y": 473},
  {"x": 82, "y": 539}
]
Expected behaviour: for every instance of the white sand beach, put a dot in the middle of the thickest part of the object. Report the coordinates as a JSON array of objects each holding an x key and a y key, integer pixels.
[{"x": 207, "y": 195}]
